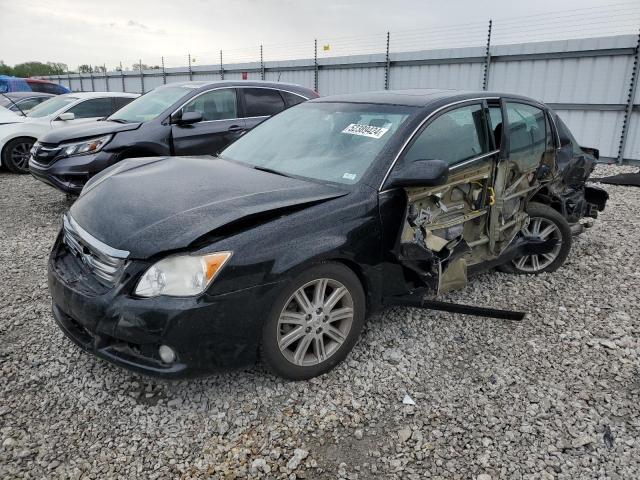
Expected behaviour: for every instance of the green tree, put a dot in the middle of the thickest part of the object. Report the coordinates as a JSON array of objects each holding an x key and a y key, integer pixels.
[
  {"x": 5, "y": 69},
  {"x": 30, "y": 69}
]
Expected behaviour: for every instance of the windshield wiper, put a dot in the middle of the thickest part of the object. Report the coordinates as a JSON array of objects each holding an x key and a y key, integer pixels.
[
  {"x": 271, "y": 170},
  {"x": 117, "y": 120},
  {"x": 14, "y": 104}
]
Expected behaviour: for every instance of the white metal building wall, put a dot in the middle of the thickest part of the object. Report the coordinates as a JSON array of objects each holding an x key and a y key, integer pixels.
[{"x": 587, "y": 79}]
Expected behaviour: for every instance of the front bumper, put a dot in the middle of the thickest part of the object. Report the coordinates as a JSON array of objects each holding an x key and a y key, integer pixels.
[
  {"x": 70, "y": 174},
  {"x": 206, "y": 332}
]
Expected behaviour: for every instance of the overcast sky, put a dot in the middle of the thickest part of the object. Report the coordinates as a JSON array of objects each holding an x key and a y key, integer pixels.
[{"x": 99, "y": 31}]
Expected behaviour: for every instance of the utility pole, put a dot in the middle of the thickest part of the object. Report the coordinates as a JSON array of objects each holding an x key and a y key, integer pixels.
[
  {"x": 315, "y": 64},
  {"x": 633, "y": 85},
  {"x": 122, "y": 76},
  {"x": 141, "y": 75},
  {"x": 387, "y": 66},
  {"x": 487, "y": 59},
  {"x": 221, "y": 67}
]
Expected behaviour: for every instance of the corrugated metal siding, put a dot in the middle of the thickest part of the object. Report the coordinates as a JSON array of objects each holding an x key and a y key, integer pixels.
[
  {"x": 632, "y": 149},
  {"x": 589, "y": 79},
  {"x": 462, "y": 76},
  {"x": 595, "y": 129},
  {"x": 350, "y": 80}
]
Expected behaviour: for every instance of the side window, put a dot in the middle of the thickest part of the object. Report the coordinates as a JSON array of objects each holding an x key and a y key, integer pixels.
[
  {"x": 119, "y": 102},
  {"x": 495, "y": 117},
  {"x": 528, "y": 127},
  {"x": 454, "y": 136},
  {"x": 214, "y": 105},
  {"x": 261, "y": 102},
  {"x": 96, "y": 107},
  {"x": 292, "y": 99}
]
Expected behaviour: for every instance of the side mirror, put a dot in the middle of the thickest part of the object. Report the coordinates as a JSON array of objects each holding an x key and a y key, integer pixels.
[
  {"x": 187, "y": 118},
  {"x": 420, "y": 173},
  {"x": 66, "y": 116}
]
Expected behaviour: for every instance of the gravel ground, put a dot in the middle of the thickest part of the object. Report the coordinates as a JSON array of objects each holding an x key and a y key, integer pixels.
[{"x": 554, "y": 396}]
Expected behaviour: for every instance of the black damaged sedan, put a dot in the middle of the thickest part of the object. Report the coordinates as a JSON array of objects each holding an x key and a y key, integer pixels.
[{"x": 282, "y": 245}]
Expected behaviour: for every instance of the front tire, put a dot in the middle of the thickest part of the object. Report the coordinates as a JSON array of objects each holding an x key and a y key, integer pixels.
[
  {"x": 544, "y": 223},
  {"x": 314, "y": 323},
  {"x": 15, "y": 154}
]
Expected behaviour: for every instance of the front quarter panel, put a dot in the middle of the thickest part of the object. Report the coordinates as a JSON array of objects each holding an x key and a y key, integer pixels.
[{"x": 345, "y": 229}]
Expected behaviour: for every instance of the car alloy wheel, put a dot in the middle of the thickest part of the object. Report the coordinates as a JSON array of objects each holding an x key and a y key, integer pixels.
[
  {"x": 315, "y": 322},
  {"x": 539, "y": 228},
  {"x": 16, "y": 153}
]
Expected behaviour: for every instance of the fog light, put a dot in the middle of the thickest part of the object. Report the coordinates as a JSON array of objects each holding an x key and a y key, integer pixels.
[{"x": 167, "y": 355}]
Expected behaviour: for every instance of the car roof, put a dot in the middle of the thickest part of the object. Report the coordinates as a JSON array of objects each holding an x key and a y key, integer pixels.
[
  {"x": 17, "y": 95},
  {"x": 204, "y": 84},
  {"x": 85, "y": 95},
  {"x": 419, "y": 97}
]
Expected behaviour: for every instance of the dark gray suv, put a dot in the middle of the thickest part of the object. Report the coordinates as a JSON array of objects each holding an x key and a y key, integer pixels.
[{"x": 190, "y": 118}]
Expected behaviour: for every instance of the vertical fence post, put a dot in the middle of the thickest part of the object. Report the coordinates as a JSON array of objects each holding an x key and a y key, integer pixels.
[
  {"x": 487, "y": 59},
  {"x": 106, "y": 78},
  {"x": 80, "y": 77},
  {"x": 387, "y": 65},
  {"x": 261, "y": 64},
  {"x": 93, "y": 85},
  {"x": 221, "y": 67},
  {"x": 190, "y": 72},
  {"x": 164, "y": 73},
  {"x": 69, "y": 78},
  {"x": 141, "y": 75},
  {"x": 315, "y": 64},
  {"x": 633, "y": 85},
  {"x": 122, "y": 77}
]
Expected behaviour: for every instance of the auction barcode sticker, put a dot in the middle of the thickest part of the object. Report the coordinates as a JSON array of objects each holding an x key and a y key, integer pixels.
[{"x": 365, "y": 130}]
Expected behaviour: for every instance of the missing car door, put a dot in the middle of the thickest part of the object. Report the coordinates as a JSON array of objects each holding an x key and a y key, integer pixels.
[{"x": 445, "y": 225}]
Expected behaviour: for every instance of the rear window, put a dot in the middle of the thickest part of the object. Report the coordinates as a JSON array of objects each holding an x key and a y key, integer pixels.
[
  {"x": 46, "y": 88},
  {"x": 262, "y": 102},
  {"x": 292, "y": 99}
]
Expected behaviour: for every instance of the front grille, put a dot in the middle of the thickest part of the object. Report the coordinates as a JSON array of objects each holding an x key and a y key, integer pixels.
[
  {"x": 44, "y": 154},
  {"x": 105, "y": 263}
]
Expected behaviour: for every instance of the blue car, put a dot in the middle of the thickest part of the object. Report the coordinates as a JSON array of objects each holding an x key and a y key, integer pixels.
[{"x": 16, "y": 84}]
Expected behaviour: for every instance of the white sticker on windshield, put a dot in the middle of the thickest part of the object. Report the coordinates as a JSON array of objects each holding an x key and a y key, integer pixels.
[
  {"x": 365, "y": 130},
  {"x": 349, "y": 176}
]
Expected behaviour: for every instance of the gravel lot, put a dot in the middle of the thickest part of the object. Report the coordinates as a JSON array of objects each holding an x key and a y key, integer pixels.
[{"x": 554, "y": 396}]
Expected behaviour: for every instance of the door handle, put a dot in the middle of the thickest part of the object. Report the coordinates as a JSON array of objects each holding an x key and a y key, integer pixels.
[{"x": 235, "y": 128}]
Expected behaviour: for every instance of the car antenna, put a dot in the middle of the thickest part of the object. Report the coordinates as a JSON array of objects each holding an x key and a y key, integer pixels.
[{"x": 14, "y": 103}]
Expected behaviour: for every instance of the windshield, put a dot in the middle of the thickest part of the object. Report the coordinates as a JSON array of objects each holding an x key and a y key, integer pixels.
[
  {"x": 149, "y": 106},
  {"x": 335, "y": 142},
  {"x": 51, "y": 106}
]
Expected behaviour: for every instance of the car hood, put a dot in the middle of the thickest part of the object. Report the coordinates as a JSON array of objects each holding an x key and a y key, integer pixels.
[
  {"x": 7, "y": 116},
  {"x": 86, "y": 130},
  {"x": 151, "y": 205}
]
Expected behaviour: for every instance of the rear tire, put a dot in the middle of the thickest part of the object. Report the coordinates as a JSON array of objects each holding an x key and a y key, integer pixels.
[
  {"x": 16, "y": 153},
  {"x": 545, "y": 223},
  {"x": 314, "y": 323}
]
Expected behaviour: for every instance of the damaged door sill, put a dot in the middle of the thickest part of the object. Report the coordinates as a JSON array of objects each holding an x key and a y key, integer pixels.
[{"x": 416, "y": 301}]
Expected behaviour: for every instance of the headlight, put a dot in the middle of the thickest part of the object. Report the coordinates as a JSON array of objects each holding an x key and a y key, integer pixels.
[
  {"x": 181, "y": 276},
  {"x": 92, "y": 145}
]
